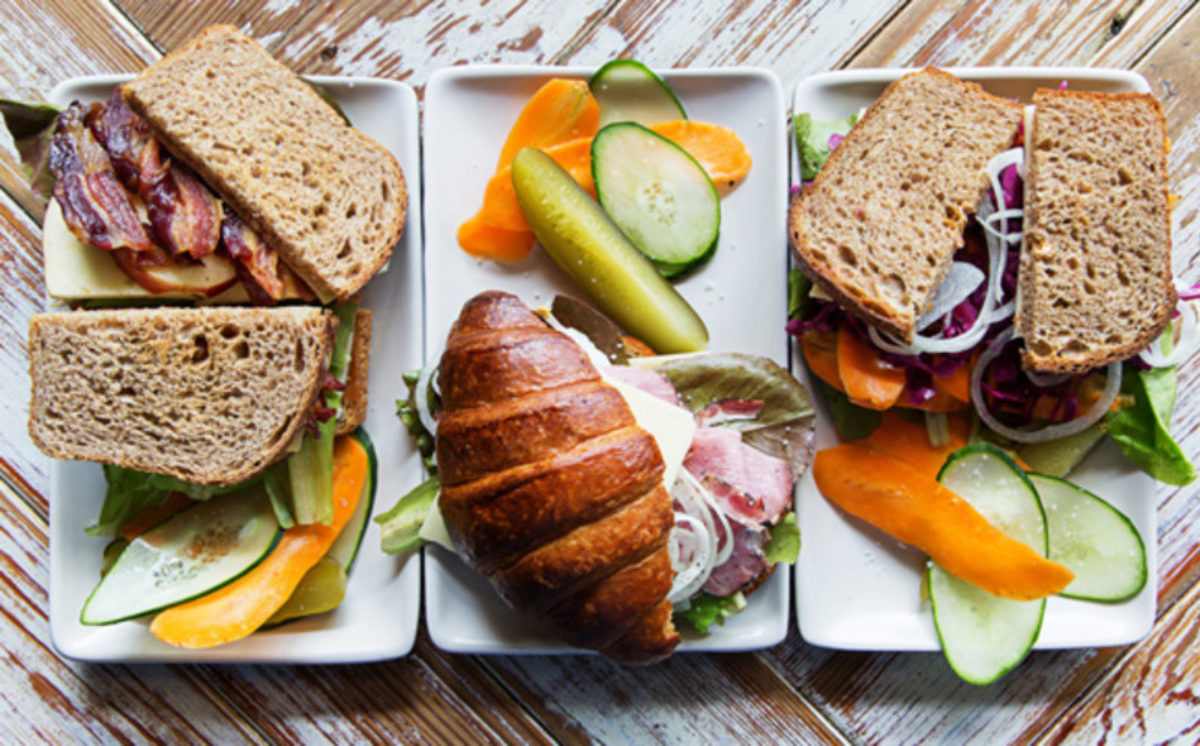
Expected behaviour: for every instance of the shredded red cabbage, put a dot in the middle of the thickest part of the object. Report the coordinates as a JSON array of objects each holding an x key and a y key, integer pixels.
[
  {"x": 1192, "y": 293},
  {"x": 834, "y": 140}
]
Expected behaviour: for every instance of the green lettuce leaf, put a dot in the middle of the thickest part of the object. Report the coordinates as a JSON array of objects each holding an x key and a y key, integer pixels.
[
  {"x": 851, "y": 421},
  {"x": 31, "y": 126},
  {"x": 799, "y": 288},
  {"x": 406, "y": 410},
  {"x": 1142, "y": 431},
  {"x": 706, "y": 609},
  {"x": 783, "y": 544},
  {"x": 398, "y": 527},
  {"x": 785, "y": 426},
  {"x": 130, "y": 490},
  {"x": 812, "y": 141}
]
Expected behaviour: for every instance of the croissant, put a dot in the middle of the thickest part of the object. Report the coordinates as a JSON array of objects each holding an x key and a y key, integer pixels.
[{"x": 549, "y": 487}]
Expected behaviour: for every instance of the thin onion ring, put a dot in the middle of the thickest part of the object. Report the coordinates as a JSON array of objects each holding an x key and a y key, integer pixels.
[{"x": 1112, "y": 387}]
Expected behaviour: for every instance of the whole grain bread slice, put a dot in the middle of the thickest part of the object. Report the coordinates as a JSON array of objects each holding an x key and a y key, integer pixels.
[
  {"x": 209, "y": 395},
  {"x": 877, "y": 228},
  {"x": 1095, "y": 274},
  {"x": 331, "y": 200}
]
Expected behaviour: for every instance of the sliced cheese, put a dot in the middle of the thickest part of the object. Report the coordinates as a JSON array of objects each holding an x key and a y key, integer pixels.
[
  {"x": 77, "y": 271},
  {"x": 672, "y": 427}
]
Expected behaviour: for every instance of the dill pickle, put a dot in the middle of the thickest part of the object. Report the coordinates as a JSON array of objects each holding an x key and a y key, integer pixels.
[
  {"x": 321, "y": 589},
  {"x": 610, "y": 270}
]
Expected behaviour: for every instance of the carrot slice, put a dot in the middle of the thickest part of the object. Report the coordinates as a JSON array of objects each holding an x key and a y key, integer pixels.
[
  {"x": 500, "y": 206},
  {"x": 870, "y": 382},
  {"x": 957, "y": 384},
  {"x": 481, "y": 239},
  {"x": 820, "y": 352},
  {"x": 718, "y": 149},
  {"x": 560, "y": 110},
  {"x": 900, "y": 439},
  {"x": 914, "y": 508},
  {"x": 237, "y": 609}
]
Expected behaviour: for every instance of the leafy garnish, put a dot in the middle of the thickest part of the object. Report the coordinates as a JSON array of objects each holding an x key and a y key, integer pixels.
[
  {"x": 706, "y": 609},
  {"x": 784, "y": 427},
  {"x": 1142, "y": 431},
  {"x": 399, "y": 526},
  {"x": 31, "y": 126},
  {"x": 130, "y": 490},
  {"x": 406, "y": 410},
  {"x": 812, "y": 141},
  {"x": 783, "y": 544},
  {"x": 799, "y": 289},
  {"x": 850, "y": 420}
]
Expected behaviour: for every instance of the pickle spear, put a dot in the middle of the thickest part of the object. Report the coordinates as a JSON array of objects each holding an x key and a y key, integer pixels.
[{"x": 589, "y": 247}]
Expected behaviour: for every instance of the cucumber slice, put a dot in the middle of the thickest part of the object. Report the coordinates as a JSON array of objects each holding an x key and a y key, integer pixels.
[
  {"x": 1094, "y": 539},
  {"x": 985, "y": 636},
  {"x": 628, "y": 91},
  {"x": 192, "y": 553},
  {"x": 658, "y": 195},
  {"x": 345, "y": 546},
  {"x": 591, "y": 249}
]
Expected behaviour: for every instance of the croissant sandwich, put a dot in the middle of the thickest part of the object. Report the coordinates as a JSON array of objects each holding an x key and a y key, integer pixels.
[{"x": 549, "y": 486}]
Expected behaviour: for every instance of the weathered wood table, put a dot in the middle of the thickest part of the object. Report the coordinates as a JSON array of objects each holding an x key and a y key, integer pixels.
[{"x": 793, "y": 693}]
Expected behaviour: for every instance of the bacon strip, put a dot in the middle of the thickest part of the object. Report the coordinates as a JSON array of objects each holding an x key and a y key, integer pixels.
[
  {"x": 95, "y": 207},
  {"x": 266, "y": 279},
  {"x": 184, "y": 215}
]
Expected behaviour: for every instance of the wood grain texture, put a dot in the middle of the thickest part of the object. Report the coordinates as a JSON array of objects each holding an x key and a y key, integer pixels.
[
  {"x": 21, "y": 278},
  {"x": 169, "y": 25},
  {"x": 794, "y": 39},
  {"x": 1152, "y": 696},
  {"x": 686, "y": 699},
  {"x": 46, "y": 42},
  {"x": 407, "y": 41},
  {"x": 1021, "y": 32},
  {"x": 47, "y": 699}
]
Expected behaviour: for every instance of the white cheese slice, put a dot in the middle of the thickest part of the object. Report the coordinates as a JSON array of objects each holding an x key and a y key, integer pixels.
[
  {"x": 673, "y": 429},
  {"x": 77, "y": 271}
]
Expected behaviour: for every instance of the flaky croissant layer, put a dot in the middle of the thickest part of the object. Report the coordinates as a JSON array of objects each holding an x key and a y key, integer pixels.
[{"x": 549, "y": 487}]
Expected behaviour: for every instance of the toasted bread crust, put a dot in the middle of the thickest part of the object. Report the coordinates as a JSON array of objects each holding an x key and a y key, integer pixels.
[
  {"x": 1095, "y": 274},
  {"x": 886, "y": 274},
  {"x": 207, "y": 395},
  {"x": 354, "y": 398},
  {"x": 329, "y": 199}
]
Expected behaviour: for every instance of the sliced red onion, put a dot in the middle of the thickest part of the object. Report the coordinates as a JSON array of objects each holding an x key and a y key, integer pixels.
[
  {"x": 961, "y": 280},
  {"x": 1112, "y": 387},
  {"x": 692, "y": 552}
]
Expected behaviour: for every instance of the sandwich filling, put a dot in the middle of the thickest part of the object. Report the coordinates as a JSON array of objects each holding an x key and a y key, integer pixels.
[{"x": 116, "y": 190}]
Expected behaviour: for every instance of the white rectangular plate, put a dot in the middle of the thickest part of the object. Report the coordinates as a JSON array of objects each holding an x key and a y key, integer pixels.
[
  {"x": 859, "y": 589},
  {"x": 378, "y": 618},
  {"x": 741, "y": 294}
]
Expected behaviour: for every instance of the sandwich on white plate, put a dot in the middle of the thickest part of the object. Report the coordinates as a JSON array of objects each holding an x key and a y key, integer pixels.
[
  {"x": 985, "y": 293},
  {"x": 239, "y": 481},
  {"x": 216, "y": 173},
  {"x": 605, "y": 501}
]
